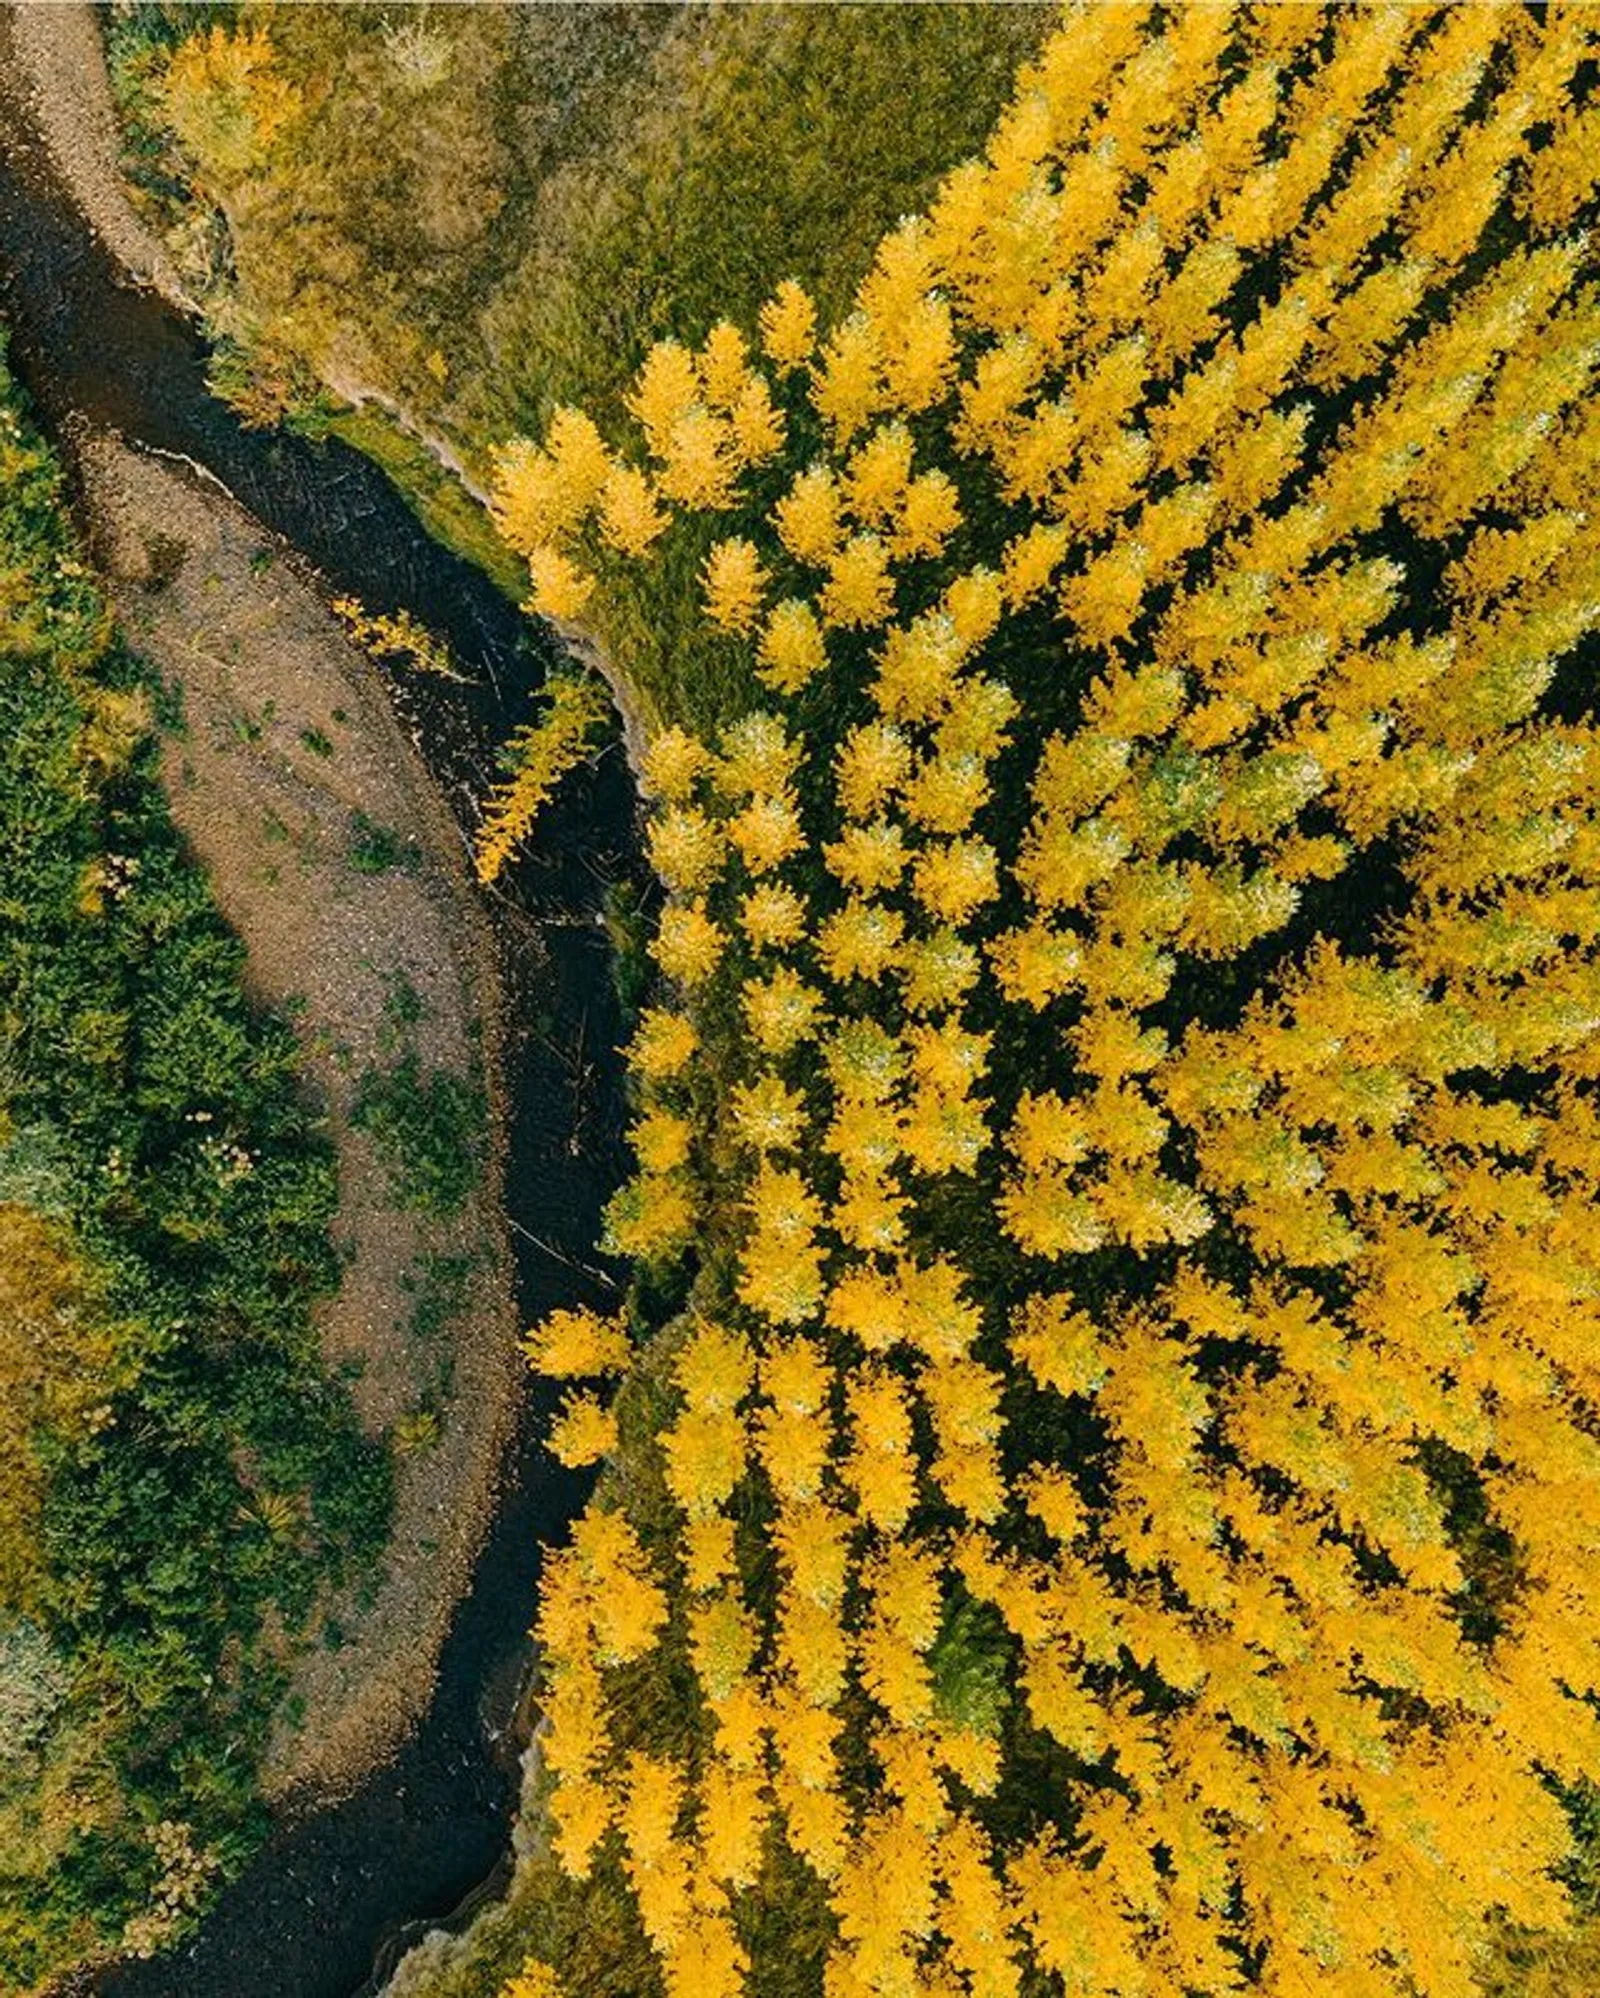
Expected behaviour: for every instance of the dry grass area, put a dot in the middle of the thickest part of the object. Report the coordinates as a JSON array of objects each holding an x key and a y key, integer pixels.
[{"x": 288, "y": 763}]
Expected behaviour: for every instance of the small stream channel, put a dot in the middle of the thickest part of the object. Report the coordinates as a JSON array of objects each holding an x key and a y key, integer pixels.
[{"x": 326, "y": 1906}]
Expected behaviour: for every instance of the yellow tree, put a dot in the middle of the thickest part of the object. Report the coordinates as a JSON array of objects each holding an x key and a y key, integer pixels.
[{"x": 1243, "y": 314}]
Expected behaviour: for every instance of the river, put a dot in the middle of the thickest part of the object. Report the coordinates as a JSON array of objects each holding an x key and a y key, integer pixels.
[{"x": 326, "y": 1905}]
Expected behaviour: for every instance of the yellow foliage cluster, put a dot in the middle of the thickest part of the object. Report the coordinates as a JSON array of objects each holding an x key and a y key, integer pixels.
[
  {"x": 1146, "y": 982},
  {"x": 225, "y": 99},
  {"x": 704, "y": 418},
  {"x": 396, "y": 636},
  {"x": 540, "y": 754},
  {"x": 533, "y": 1980}
]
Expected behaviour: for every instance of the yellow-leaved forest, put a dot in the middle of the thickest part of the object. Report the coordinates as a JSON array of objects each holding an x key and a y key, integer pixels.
[{"x": 1120, "y": 1509}]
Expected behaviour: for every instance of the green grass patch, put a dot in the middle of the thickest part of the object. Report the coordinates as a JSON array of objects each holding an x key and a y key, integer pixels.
[
  {"x": 438, "y": 498},
  {"x": 378, "y": 849},
  {"x": 429, "y": 1128}
]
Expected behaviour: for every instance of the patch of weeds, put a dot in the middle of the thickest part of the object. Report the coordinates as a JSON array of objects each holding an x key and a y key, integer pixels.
[
  {"x": 261, "y": 561},
  {"x": 167, "y": 706},
  {"x": 310, "y": 413},
  {"x": 376, "y": 849},
  {"x": 333, "y": 1634},
  {"x": 403, "y": 1004},
  {"x": 403, "y": 1007},
  {"x": 245, "y": 727},
  {"x": 440, "y": 1291},
  {"x": 164, "y": 556},
  {"x": 627, "y": 926},
  {"x": 416, "y": 1431},
  {"x": 429, "y": 1131},
  {"x": 314, "y": 740},
  {"x": 444, "y": 1379}
]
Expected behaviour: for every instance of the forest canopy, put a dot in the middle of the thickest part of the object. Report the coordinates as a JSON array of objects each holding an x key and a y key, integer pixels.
[{"x": 1118, "y": 1511}]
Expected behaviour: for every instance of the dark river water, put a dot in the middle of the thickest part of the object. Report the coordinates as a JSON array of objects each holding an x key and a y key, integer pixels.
[{"x": 329, "y": 1902}]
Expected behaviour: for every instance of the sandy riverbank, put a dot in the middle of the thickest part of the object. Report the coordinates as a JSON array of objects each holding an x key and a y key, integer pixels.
[
  {"x": 266, "y": 671},
  {"x": 56, "y": 61},
  {"x": 289, "y": 752}
]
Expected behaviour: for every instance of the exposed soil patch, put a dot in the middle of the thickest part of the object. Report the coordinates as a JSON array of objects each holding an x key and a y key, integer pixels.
[{"x": 332, "y": 857}]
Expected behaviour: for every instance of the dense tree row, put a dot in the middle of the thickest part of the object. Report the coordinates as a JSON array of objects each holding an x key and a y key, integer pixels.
[{"x": 1129, "y": 1073}]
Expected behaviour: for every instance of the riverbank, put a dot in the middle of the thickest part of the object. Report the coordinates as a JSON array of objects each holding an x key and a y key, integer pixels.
[
  {"x": 54, "y": 59},
  {"x": 55, "y": 64},
  {"x": 334, "y": 860},
  {"x": 278, "y": 824}
]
